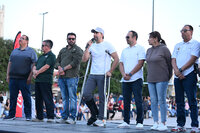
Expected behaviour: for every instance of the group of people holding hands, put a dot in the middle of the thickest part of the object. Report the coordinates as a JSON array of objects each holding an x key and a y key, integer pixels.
[{"x": 23, "y": 64}]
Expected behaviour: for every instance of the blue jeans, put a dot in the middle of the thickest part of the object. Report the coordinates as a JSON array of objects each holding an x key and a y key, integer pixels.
[
  {"x": 68, "y": 88},
  {"x": 128, "y": 88},
  {"x": 158, "y": 92},
  {"x": 15, "y": 85},
  {"x": 187, "y": 85}
]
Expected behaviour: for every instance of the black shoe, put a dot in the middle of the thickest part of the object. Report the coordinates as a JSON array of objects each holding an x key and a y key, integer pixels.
[
  {"x": 9, "y": 118},
  {"x": 91, "y": 121},
  {"x": 94, "y": 111}
]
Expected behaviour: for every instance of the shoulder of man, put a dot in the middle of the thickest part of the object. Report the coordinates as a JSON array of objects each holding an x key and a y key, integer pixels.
[
  {"x": 62, "y": 50},
  {"x": 76, "y": 48},
  {"x": 31, "y": 49},
  {"x": 140, "y": 47}
]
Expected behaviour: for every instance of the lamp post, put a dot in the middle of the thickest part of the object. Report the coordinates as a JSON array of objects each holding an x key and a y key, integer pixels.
[
  {"x": 43, "y": 24},
  {"x": 153, "y": 17}
]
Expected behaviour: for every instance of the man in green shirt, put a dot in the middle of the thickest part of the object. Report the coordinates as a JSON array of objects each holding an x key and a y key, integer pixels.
[
  {"x": 68, "y": 65},
  {"x": 43, "y": 74}
]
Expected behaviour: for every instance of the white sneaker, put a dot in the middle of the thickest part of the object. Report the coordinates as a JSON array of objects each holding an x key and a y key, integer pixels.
[
  {"x": 70, "y": 121},
  {"x": 98, "y": 123},
  {"x": 195, "y": 130},
  {"x": 124, "y": 125},
  {"x": 60, "y": 120},
  {"x": 139, "y": 126},
  {"x": 50, "y": 120},
  {"x": 155, "y": 126},
  {"x": 162, "y": 127},
  {"x": 37, "y": 120}
]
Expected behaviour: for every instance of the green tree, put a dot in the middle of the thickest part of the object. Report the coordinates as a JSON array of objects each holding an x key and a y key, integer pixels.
[{"x": 6, "y": 46}]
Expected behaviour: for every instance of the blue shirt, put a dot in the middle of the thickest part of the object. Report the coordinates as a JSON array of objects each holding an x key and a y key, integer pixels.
[{"x": 21, "y": 62}]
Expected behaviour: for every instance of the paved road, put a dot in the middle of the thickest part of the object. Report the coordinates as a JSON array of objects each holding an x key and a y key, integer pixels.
[{"x": 21, "y": 126}]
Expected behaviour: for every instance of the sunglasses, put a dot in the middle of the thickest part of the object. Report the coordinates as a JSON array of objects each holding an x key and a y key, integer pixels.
[
  {"x": 44, "y": 45},
  {"x": 71, "y": 39},
  {"x": 184, "y": 30},
  {"x": 22, "y": 38}
]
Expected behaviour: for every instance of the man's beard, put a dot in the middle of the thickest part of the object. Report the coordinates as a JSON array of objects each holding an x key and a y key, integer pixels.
[{"x": 71, "y": 44}]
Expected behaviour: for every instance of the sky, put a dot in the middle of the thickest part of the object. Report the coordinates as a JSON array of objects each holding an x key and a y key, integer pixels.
[{"x": 116, "y": 17}]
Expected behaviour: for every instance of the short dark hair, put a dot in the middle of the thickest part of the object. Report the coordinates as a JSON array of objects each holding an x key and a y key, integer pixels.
[
  {"x": 49, "y": 42},
  {"x": 134, "y": 34},
  {"x": 190, "y": 26},
  {"x": 71, "y": 33},
  {"x": 26, "y": 37}
]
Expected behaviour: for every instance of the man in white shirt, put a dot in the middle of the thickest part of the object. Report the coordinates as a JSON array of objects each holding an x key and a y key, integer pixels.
[
  {"x": 131, "y": 62},
  {"x": 185, "y": 54},
  {"x": 100, "y": 66}
]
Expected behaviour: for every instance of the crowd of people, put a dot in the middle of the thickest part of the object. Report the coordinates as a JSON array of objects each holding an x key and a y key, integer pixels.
[{"x": 24, "y": 64}]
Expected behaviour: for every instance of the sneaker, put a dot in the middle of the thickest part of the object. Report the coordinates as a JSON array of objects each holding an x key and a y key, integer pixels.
[
  {"x": 155, "y": 126},
  {"x": 124, "y": 125},
  {"x": 61, "y": 120},
  {"x": 70, "y": 121},
  {"x": 98, "y": 123},
  {"x": 9, "y": 118},
  {"x": 178, "y": 129},
  {"x": 194, "y": 130},
  {"x": 28, "y": 119},
  {"x": 50, "y": 120},
  {"x": 139, "y": 126},
  {"x": 162, "y": 127},
  {"x": 37, "y": 120}
]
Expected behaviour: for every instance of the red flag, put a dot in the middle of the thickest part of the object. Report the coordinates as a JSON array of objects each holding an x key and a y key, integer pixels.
[
  {"x": 16, "y": 42},
  {"x": 20, "y": 98}
]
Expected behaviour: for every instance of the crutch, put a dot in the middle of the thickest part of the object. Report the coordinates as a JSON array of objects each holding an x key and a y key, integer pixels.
[
  {"x": 83, "y": 86},
  {"x": 106, "y": 98}
]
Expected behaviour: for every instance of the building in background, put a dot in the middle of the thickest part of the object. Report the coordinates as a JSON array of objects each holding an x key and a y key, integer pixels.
[{"x": 2, "y": 11}]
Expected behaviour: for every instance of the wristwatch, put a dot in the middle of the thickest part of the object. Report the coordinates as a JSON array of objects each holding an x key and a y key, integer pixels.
[
  {"x": 180, "y": 70},
  {"x": 130, "y": 74}
]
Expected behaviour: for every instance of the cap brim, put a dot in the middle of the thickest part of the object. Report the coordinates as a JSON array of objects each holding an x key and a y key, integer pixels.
[{"x": 93, "y": 31}]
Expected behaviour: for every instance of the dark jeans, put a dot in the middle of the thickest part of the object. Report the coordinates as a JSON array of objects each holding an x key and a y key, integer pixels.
[
  {"x": 15, "y": 85},
  {"x": 187, "y": 85},
  {"x": 134, "y": 87},
  {"x": 43, "y": 94},
  {"x": 110, "y": 111}
]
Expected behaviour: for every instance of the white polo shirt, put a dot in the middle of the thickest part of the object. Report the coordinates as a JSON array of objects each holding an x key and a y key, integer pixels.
[
  {"x": 182, "y": 53},
  {"x": 100, "y": 58},
  {"x": 130, "y": 57}
]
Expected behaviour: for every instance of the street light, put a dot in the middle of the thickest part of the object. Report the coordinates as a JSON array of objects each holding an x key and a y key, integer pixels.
[
  {"x": 43, "y": 24},
  {"x": 153, "y": 17}
]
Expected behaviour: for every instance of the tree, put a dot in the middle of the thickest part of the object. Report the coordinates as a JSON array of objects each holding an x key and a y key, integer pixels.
[{"x": 6, "y": 47}]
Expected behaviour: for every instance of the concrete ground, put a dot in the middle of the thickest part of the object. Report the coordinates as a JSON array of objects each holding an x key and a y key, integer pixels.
[{"x": 21, "y": 126}]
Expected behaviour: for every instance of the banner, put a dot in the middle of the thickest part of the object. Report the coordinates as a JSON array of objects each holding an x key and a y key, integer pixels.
[
  {"x": 20, "y": 98},
  {"x": 16, "y": 42}
]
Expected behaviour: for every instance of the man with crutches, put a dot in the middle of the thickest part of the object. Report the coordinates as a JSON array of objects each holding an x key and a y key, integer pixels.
[{"x": 100, "y": 68}]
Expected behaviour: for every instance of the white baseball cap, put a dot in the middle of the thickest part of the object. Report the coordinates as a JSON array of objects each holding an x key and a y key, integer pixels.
[{"x": 98, "y": 30}]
